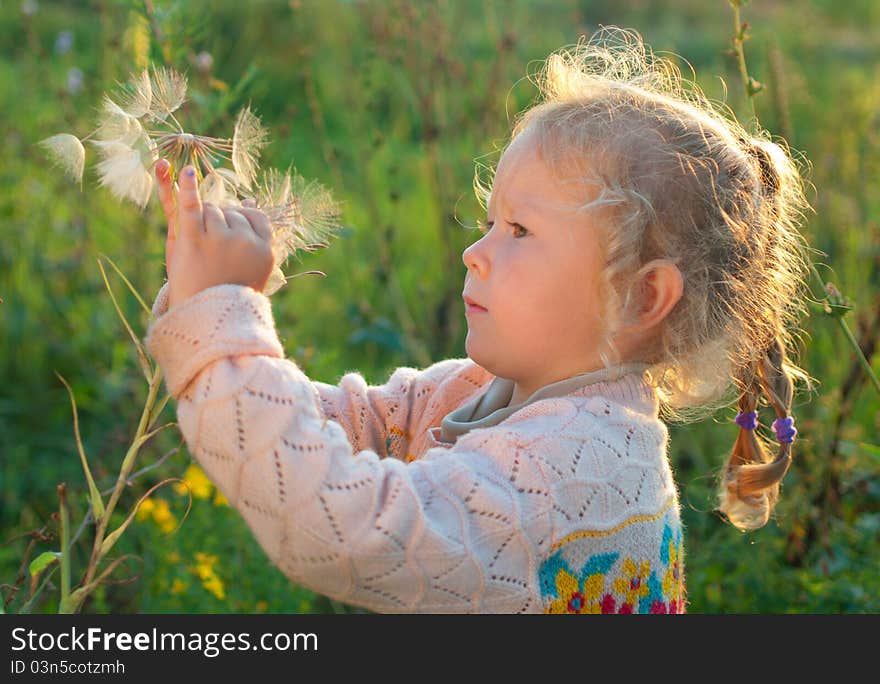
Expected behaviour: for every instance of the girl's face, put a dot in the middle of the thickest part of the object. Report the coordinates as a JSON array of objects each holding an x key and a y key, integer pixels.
[{"x": 535, "y": 277}]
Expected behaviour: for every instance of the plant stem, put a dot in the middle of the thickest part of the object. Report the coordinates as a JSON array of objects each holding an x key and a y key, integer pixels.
[
  {"x": 859, "y": 354},
  {"x": 65, "y": 547},
  {"x": 744, "y": 73},
  {"x": 122, "y": 479},
  {"x": 741, "y": 57}
]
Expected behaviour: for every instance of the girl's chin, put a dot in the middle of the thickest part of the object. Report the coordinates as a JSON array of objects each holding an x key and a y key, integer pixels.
[{"x": 479, "y": 355}]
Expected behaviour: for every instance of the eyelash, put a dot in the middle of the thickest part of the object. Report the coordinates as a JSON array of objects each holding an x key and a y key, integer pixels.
[{"x": 485, "y": 226}]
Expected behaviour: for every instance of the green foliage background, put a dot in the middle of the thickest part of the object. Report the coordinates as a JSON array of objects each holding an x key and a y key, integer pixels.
[{"x": 389, "y": 104}]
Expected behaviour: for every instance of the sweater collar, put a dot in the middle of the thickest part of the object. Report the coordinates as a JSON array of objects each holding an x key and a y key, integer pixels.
[{"x": 623, "y": 383}]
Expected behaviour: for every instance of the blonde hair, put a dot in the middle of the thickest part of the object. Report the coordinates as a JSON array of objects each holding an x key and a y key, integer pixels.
[{"x": 682, "y": 181}]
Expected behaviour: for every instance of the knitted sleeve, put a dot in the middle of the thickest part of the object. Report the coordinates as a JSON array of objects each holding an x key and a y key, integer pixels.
[
  {"x": 385, "y": 418},
  {"x": 458, "y": 530}
]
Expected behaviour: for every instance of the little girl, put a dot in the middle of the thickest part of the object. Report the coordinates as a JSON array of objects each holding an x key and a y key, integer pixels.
[{"x": 640, "y": 257}]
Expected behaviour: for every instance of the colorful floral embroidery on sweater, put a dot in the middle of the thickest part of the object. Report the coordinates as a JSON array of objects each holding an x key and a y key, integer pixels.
[{"x": 609, "y": 583}]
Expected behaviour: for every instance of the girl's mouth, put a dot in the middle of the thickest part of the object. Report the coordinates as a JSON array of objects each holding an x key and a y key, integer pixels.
[{"x": 472, "y": 307}]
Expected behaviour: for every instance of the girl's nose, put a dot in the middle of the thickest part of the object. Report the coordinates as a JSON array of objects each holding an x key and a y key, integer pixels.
[{"x": 474, "y": 257}]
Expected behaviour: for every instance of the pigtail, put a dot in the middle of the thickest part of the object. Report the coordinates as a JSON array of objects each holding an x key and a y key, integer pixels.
[{"x": 751, "y": 480}]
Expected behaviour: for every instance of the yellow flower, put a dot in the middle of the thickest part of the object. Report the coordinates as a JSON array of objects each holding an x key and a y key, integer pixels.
[
  {"x": 163, "y": 516},
  {"x": 145, "y": 510},
  {"x": 672, "y": 580},
  {"x": 204, "y": 570},
  {"x": 173, "y": 557},
  {"x": 262, "y": 606},
  {"x": 178, "y": 586},
  {"x": 220, "y": 500},
  {"x": 205, "y": 563},
  {"x": 574, "y": 598},
  {"x": 195, "y": 480},
  {"x": 215, "y": 586},
  {"x": 634, "y": 583}
]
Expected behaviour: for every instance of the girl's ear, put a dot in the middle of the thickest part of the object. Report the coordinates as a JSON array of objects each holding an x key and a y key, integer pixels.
[{"x": 662, "y": 287}]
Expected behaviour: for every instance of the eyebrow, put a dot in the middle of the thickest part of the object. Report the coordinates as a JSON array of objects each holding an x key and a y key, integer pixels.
[{"x": 527, "y": 205}]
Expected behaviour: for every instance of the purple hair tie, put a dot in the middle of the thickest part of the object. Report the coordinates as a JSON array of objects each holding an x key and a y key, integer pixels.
[
  {"x": 747, "y": 421},
  {"x": 785, "y": 429}
]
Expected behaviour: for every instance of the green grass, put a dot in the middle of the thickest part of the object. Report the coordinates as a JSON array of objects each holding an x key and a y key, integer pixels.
[{"x": 389, "y": 106}]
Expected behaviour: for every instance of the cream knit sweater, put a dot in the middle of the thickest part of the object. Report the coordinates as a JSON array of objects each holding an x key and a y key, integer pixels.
[{"x": 567, "y": 505}]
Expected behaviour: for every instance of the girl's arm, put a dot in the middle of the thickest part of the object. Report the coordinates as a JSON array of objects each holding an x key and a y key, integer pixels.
[
  {"x": 459, "y": 530},
  {"x": 385, "y": 418}
]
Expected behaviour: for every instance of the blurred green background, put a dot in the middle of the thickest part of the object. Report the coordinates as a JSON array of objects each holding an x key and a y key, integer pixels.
[{"x": 389, "y": 104}]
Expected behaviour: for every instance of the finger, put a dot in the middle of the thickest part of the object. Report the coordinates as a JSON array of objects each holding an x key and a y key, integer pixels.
[
  {"x": 166, "y": 196},
  {"x": 215, "y": 220},
  {"x": 189, "y": 203},
  {"x": 236, "y": 220},
  {"x": 259, "y": 222},
  {"x": 249, "y": 202}
]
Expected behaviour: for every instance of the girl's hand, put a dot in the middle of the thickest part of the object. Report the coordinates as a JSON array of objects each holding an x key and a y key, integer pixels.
[{"x": 212, "y": 246}]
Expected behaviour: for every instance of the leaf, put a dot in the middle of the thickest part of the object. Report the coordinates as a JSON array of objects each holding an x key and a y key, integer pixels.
[
  {"x": 94, "y": 493},
  {"x": 40, "y": 563},
  {"x": 111, "y": 539},
  {"x": 43, "y": 561},
  {"x": 157, "y": 410},
  {"x": 872, "y": 449},
  {"x": 130, "y": 286},
  {"x": 68, "y": 153},
  {"x": 142, "y": 355},
  {"x": 26, "y": 608}
]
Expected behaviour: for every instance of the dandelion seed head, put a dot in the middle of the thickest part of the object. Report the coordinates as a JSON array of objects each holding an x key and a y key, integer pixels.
[
  {"x": 123, "y": 170},
  {"x": 67, "y": 152},
  {"x": 137, "y": 127},
  {"x": 117, "y": 126},
  {"x": 169, "y": 92},
  {"x": 248, "y": 138},
  {"x": 218, "y": 189},
  {"x": 303, "y": 214},
  {"x": 276, "y": 281},
  {"x": 231, "y": 178},
  {"x": 137, "y": 96}
]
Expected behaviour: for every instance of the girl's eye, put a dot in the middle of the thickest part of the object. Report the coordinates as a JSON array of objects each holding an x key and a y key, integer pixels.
[{"x": 519, "y": 231}]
